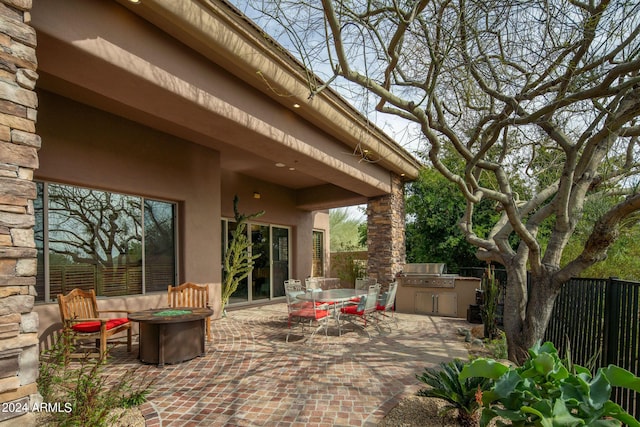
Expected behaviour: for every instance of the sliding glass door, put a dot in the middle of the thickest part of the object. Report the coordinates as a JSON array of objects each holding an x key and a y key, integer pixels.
[
  {"x": 279, "y": 259},
  {"x": 271, "y": 268}
]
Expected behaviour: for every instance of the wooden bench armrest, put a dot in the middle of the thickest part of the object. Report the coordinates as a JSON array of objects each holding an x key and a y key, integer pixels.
[
  {"x": 115, "y": 311},
  {"x": 90, "y": 319}
]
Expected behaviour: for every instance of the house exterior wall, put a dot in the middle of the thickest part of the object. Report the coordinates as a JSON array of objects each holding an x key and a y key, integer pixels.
[
  {"x": 133, "y": 68},
  {"x": 18, "y": 159},
  {"x": 176, "y": 110},
  {"x": 87, "y": 147}
]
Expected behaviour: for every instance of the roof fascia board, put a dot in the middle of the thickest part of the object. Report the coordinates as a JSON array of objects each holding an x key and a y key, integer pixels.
[{"x": 268, "y": 67}]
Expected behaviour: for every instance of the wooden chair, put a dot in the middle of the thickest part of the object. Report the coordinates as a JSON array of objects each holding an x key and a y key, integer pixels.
[
  {"x": 190, "y": 295},
  {"x": 79, "y": 312}
]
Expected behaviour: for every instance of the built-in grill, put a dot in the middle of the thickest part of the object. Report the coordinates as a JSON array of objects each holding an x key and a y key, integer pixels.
[
  {"x": 429, "y": 275},
  {"x": 425, "y": 288}
]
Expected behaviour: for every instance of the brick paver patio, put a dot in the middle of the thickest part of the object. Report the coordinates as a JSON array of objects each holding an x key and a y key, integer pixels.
[{"x": 252, "y": 377}]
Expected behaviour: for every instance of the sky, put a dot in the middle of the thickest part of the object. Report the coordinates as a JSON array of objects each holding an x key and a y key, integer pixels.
[
  {"x": 399, "y": 129},
  {"x": 402, "y": 131}
]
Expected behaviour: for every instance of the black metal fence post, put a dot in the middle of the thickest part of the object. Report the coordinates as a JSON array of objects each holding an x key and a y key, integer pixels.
[{"x": 611, "y": 336}]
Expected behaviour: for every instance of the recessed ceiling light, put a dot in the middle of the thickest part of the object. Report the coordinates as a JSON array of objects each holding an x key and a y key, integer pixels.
[
  {"x": 135, "y": 1},
  {"x": 296, "y": 105},
  {"x": 280, "y": 165},
  {"x": 292, "y": 169}
]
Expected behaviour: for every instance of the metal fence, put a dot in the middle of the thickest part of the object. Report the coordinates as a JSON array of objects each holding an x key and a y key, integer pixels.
[{"x": 597, "y": 321}]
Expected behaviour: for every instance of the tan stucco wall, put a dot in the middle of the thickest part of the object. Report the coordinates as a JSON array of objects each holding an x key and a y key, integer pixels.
[
  {"x": 130, "y": 67},
  {"x": 278, "y": 204},
  {"x": 87, "y": 147}
]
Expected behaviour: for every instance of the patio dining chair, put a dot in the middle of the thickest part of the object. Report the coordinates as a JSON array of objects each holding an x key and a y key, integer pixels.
[
  {"x": 190, "y": 295},
  {"x": 365, "y": 311},
  {"x": 304, "y": 311},
  {"x": 363, "y": 283},
  {"x": 79, "y": 312},
  {"x": 385, "y": 308},
  {"x": 312, "y": 284}
]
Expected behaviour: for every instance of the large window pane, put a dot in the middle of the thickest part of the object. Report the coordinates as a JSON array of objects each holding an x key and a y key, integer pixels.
[
  {"x": 280, "y": 257},
  {"x": 261, "y": 273},
  {"x": 38, "y": 229},
  {"x": 95, "y": 241},
  {"x": 159, "y": 244},
  {"x": 241, "y": 294}
]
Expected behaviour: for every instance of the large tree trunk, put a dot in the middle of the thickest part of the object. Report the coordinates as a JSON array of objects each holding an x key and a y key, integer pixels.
[{"x": 526, "y": 314}]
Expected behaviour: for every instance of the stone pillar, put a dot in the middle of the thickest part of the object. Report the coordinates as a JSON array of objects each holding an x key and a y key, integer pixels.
[
  {"x": 19, "y": 146},
  {"x": 385, "y": 234}
]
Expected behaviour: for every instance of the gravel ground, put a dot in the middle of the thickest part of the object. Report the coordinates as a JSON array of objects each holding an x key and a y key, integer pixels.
[{"x": 419, "y": 411}]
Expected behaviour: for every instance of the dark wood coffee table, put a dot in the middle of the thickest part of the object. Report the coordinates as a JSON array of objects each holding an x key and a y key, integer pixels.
[{"x": 171, "y": 335}]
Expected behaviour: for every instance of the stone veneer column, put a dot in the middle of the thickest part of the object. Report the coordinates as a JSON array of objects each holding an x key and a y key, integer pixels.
[
  {"x": 385, "y": 234},
  {"x": 18, "y": 159}
]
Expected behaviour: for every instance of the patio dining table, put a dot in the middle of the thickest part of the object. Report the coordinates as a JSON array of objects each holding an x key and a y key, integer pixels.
[{"x": 336, "y": 297}]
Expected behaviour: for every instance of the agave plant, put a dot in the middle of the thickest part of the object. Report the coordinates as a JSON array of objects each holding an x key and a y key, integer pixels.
[{"x": 444, "y": 382}]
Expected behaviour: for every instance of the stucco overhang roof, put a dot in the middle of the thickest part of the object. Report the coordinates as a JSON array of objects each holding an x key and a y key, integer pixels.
[
  {"x": 254, "y": 56},
  {"x": 97, "y": 53}
]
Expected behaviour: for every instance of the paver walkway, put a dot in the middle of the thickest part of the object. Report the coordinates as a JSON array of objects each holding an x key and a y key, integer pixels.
[{"x": 252, "y": 377}]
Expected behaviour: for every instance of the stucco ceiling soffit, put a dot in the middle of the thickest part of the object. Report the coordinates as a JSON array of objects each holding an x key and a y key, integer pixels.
[
  {"x": 326, "y": 197},
  {"x": 211, "y": 27},
  {"x": 157, "y": 93}
]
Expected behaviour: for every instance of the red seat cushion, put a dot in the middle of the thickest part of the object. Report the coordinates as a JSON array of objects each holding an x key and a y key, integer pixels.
[
  {"x": 95, "y": 326},
  {"x": 380, "y": 307},
  {"x": 310, "y": 313},
  {"x": 352, "y": 309}
]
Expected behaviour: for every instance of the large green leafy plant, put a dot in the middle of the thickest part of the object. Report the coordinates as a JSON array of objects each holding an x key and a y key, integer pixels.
[
  {"x": 444, "y": 383},
  {"x": 237, "y": 262},
  {"x": 547, "y": 391}
]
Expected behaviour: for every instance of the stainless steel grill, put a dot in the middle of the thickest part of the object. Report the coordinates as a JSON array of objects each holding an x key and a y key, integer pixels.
[{"x": 428, "y": 275}]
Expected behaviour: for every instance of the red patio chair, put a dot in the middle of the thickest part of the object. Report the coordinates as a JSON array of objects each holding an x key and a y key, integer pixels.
[
  {"x": 385, "y": 307},
  {"x": 304, "y": 311},
  {"x": 364, "y": 311}
]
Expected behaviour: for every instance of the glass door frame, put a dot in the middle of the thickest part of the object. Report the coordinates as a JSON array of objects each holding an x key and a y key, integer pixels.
[{"x": 248, "y": 281}]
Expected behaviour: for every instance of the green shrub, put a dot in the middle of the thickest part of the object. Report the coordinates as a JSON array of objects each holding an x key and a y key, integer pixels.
[
  {"x": 445, "y": 383},
  {"x": 498, "y": 346},
  {"x": 91, "y": 393},
  {"x": 544, "y": 392}
]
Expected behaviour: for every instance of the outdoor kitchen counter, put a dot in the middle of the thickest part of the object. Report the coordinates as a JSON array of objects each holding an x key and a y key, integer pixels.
[{"x": 440, "y": 295}]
